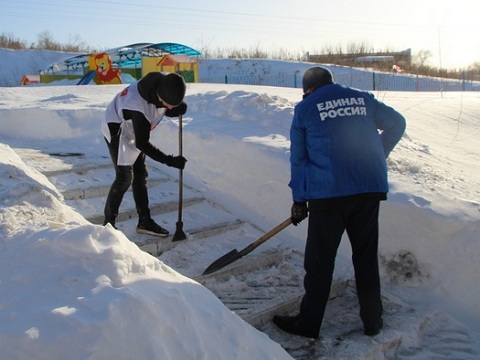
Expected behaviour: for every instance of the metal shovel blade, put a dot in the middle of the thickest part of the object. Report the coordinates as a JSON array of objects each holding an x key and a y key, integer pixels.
[
  {"x": 179, "y": 234},
  {"x": 235, "y": 255},
  {"x": 223, "y": 261}
]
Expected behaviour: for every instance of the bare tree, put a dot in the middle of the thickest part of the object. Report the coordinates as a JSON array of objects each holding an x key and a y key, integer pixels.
[
  {"x": 10, "y": 42},
  {"x": 75, "y": 44},
  {"x": 45, "y": 41},
  {"x": 204, "y": 48},
  {"x": 257, "y": 53},
  {"x": 422, "y": 58}
]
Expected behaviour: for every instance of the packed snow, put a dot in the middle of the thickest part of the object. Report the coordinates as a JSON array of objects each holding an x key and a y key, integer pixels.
[{"x": 70, "y": 289}]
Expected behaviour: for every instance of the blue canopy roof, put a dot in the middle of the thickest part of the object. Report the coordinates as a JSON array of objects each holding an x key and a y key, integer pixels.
[
  {"x": 153, "y": 50},
  {"x": 132, "y": 54}
]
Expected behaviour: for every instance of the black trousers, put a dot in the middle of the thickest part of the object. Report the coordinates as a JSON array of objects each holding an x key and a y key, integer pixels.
[
  {"x": 135, "y": 175},
  {"x": 325, "y": 228}
]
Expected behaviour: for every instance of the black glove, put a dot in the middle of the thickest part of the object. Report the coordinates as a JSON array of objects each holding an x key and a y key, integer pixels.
[
  {"x": 299, "y": 212},
  {"x": 180, "y": 109},
  {"x": 176, "y": 161}
]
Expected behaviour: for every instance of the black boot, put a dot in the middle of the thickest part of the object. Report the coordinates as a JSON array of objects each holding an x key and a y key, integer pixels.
[
  {"x": 111, "y": 222},
  {"x": 293, "y": 325},
  {"x": 374, "y": 330},
  {"x": 150, "y": 227}
]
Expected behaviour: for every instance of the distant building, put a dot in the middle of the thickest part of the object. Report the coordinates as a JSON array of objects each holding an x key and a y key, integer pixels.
[
  {"x": 384, "y": 60},
  {"x": 180, "y": 64},
  {"x": 30, "y": 79}
]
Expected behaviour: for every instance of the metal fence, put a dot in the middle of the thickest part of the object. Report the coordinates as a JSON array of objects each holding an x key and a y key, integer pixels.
[{"x": 365, "y": 81}]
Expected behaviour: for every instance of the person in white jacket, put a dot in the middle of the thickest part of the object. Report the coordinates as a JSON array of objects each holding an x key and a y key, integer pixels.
[{"x": 129, "y": 119}]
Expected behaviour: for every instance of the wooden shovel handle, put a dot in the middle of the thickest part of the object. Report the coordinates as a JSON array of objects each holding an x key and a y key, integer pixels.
[{"x": 271, "y": 233}]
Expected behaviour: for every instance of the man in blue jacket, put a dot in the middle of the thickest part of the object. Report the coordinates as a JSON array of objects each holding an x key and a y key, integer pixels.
[{"x": 340, "y": 139}]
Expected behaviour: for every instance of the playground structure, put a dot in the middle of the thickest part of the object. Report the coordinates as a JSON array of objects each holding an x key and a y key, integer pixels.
[
  {"x": 30, "y": 79},
  {"x": 125, "y": 64},
  {"x": 105, "y": 72}
]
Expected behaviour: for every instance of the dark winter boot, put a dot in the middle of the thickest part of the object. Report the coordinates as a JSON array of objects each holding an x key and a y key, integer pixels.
[
  {"x": 293, "y": 325},
  {"x": 374, "y": 330},
  {"x": 111, "y": 222},
  {"x": 150, "y": 227}
]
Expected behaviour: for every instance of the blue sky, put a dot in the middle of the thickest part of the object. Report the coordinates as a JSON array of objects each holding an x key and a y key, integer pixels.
[{"x": 449, "y": 29}]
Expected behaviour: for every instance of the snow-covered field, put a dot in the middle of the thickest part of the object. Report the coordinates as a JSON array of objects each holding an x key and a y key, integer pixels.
[{"x": 69, "y": 289}]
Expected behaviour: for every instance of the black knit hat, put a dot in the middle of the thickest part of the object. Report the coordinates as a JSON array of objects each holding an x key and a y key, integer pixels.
[
  {"x": 316, "y": 77},
  {"x": 171, "y": 89}
]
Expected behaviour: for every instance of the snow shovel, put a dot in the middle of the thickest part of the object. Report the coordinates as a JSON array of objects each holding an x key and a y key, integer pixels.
[
  {"x": 235, "y": 255},
  {"x": 179, "y": 234}
]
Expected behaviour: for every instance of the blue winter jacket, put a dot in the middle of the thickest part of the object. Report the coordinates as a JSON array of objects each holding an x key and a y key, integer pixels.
[{"x": 340, "y": 138}]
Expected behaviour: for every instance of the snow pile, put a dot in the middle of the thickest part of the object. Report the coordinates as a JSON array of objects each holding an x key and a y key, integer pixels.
[{"x": 74, "y": 290}]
